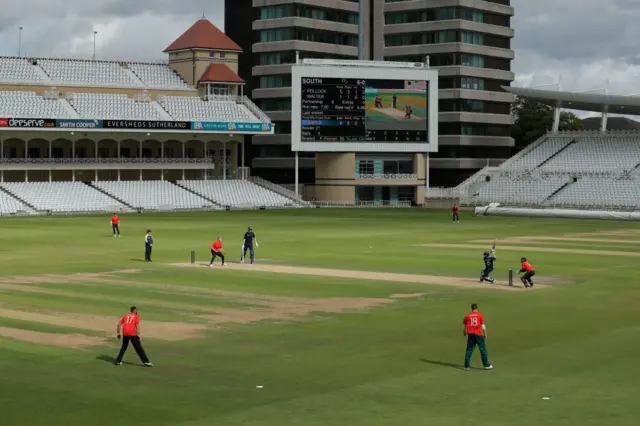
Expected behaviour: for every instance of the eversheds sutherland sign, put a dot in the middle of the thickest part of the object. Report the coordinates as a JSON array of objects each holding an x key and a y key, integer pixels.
[
  {"x": 31, "y": 122},
  {"x": 152, "y": 125}
]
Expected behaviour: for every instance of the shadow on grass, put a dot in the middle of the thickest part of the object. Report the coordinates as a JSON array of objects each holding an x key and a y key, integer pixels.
[
  {"x": 137, "y": 260},
  {"x": 443, "y": 364},
  {"x": 112, "y": 360}
]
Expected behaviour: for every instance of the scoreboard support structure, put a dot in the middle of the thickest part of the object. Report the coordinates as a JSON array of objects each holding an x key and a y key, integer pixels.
[{"x": 353, "y": 112}]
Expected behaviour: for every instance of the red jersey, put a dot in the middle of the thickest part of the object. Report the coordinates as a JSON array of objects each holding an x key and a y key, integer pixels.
[
  {"x": 455, "y": 209},
  {"x": 526, "y": 266},
  {"x": 129, "y": 323},
  {"x": 115, "y": 220},
  {"x": 473, "y": 323},
  {"x": 216, "y": 246}
]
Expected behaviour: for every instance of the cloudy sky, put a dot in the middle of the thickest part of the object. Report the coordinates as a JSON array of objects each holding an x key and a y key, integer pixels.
[{"x": 587, "y": 41}]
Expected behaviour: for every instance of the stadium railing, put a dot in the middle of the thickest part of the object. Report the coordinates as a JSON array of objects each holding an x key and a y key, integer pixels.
[
  {"x": 204, "y": 160},
  {"x": 278, "y": 189},
  {"x": 254, "y": 109},
  {"x": 387, "y": 176},
  {"x": 439, "y": 193},
  {"x": 362, "y": 204}
]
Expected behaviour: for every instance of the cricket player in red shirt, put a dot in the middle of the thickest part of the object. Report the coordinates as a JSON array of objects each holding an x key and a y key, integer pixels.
[
  {"x": 216, "y": 250},
  {"x": 130, "y": 327},
  {"x": 456, "y": 213},
  {"x": 115, "y": 224},
  {"x": 476, "y": 332},
  {"x": 529, "y": 272}
]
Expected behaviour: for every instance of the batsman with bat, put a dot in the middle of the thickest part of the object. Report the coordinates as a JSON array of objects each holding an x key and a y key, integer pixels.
[
  {"x": 489, "y": 258},
  {"x": 247, "y": 244}
]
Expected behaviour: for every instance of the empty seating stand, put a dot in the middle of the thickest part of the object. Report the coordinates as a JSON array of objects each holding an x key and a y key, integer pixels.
[
  {"x": 191, "y": 108},
  {"x": 106, "y": 106},
  {"x": 10, "y": 205},
  {"x": 18, "y": 70},
  {"x": 157, "y": 76},
  {"x": 63, "y": 197},
  {"x": 154, "y": 195},
  {"x": 579, "y": 170},
  {"x": 29, "y": 105},
  {"x": 237, "y": 193},
  {"x": 98, "y": 73}
]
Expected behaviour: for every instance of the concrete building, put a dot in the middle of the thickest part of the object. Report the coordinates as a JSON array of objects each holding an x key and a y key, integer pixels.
[{"x": 469, "y": 41}]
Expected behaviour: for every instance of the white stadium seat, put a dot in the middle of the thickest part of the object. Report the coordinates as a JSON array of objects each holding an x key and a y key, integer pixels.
[
  {"x": 158, "y": 76},
  {"x": 86, "y": 72},
  {"x": 105, "y": 106},
  {"x": 579, "y": 170},
  {"x": 237, "y": 193},
  {"x": 191, "y": 108},
  {"x": 154, "y": 195},
  {"x": 10, "y": 205},
  {"x": 18, "y": 70},
  {"x": 63, "y": 197},
  {"x": 29, "y": 105}
]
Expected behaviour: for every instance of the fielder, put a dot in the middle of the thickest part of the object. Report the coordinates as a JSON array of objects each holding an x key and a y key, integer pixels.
[
  {"x": 247, "y": 244},
  {"x": 476, "y": 332},
  {"x": 489, "y": 258}
]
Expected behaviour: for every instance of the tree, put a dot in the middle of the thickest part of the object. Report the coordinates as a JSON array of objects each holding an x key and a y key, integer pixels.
[{"x": 533, "y": 120}]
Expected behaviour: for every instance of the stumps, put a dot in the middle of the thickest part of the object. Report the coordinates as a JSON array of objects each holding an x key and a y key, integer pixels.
[
  {"x": 193, "y": 256},
  {"x": 510, "y": 277}
]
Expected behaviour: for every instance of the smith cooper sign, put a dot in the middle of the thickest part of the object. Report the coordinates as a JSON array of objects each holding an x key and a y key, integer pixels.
[{"x": 151, "y": 125}]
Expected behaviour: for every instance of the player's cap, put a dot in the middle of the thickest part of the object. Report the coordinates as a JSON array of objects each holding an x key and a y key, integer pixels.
[
  {"x": 524, "y": 259},
  {"x": 250, "y": 229},
  {"x": 148, "y": 230},
  {"x": 486, "y": 253}
]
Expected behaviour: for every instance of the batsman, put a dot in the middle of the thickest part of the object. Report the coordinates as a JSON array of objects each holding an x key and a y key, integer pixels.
[
  {"x": 247, "y": 244},
  {"x": 489, "y": 258}
]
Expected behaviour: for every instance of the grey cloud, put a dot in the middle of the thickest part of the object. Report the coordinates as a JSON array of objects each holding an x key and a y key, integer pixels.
[
  {"x": 585, "y": 40},
  {"x": 576, "y": 29}
]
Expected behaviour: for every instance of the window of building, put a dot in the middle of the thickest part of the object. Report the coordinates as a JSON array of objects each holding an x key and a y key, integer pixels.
[
  {"x": 365, "y": 167},
  {"x": 272, "y": 81},
  {"x": 328, "y": 37},
  {"x": 472, "y": 83},
  {"x": 222, "y": 54},
  {"x": 304, "y": 11},
  {"x": 282, "y": 127},
  {"x": 472, "y": 37},
  {"x": 279, "y": 34},
  {"x": 472, "y": 15},
  {"x": 275, "y": 104},
  {"x": 276, "y": 58},
  {"x": 471, "y": 106},
  {"x": 436, "y": 37},
  {"x": 445, "y": 13},
  {"x": 472, "y": 61},
  {"x": 212, "y": 90},
  {"x": 275, "y": 12},
  {"x": 437, "y": 14}
]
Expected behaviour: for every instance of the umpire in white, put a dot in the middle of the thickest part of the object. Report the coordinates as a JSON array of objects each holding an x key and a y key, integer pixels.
[{"x": 148, "y": 245}]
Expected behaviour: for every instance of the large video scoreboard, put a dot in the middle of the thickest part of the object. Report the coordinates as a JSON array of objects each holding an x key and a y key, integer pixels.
[{"x": 347, "y": 109}]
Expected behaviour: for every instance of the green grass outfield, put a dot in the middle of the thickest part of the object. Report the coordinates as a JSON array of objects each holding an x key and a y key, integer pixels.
[{"x": 345, "y": 353}]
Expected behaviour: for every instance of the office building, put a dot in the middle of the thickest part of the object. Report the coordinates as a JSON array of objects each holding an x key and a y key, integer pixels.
[{"x": 469, "y": 41}]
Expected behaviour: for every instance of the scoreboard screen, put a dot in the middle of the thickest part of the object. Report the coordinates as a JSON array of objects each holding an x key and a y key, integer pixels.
[{"x": 363, "y": 110}]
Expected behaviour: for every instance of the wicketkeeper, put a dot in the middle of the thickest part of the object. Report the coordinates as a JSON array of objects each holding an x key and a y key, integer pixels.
[{"x": 529, "y": 272}]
